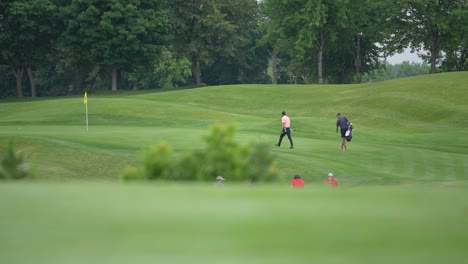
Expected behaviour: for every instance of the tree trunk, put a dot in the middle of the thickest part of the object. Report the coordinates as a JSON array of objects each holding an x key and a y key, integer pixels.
[
  {"x": 433, "y": 61},
  {"x": 19, "y": 76},
  {"x": 77, "y": 79},
  {"x": 119, "y": 79},
  {"x": 463, "y": 56},
  {"x": 274, "y": 66},
  {"x": 114, "y": 79},
  {"x": 435, "y": 39},
  {"x": 32, "y": 82},
  {"x": 320, "y": 60},
  {"x": 196, "y": 70},
  {"x": 319, "y": 66},
  {"x": 357, "y": 62},
  {"x": 343, "y": 74}
]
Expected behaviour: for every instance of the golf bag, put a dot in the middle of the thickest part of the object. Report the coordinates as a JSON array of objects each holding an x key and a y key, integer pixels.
[{"x": 349, "y": 132}]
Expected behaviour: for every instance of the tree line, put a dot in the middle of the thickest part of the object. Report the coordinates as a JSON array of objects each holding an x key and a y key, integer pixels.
[
  {"x": 404, "y": 69},
  {"x": 59, "y": 47}
]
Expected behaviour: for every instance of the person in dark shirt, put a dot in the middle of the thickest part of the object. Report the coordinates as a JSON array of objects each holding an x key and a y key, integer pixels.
[{"x": 343, "y": 124}]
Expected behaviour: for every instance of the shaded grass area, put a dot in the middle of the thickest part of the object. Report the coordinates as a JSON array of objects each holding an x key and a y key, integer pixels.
[{"x": 109, "y": 223}]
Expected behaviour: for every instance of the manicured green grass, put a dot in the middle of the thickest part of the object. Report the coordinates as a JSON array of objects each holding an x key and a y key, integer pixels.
[
  {"x": 115, "y": 223},
  {"x": 402, "y": 194},
  {"x": 406, "y": 130}
]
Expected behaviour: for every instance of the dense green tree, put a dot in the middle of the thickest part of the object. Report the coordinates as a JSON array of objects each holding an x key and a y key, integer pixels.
[
  {"x": 28, "y": 29},
  {"x": 456, "y": 45},
  {"x": 167, "y": 71},
  {"x": 171, "y": 71},
  {"x": 253, "y": 69},
  {"x": 308, "y": 26},
  {"x": 272, "y": 39},
  {"x": 250, "y": 65},
  {"x": 6, "y": 80},
  {"x": 59, "y": 76},
  {"x": 307, "y": 41},
  {"x": 358, "y": 46},
  {"x": 207, "y": 29},
  {"x": 321, "y": 37},
  {"x": 117, "y": 34},
  {"x": 404, "y": 69},
  {"x": 429, "y": 25}
]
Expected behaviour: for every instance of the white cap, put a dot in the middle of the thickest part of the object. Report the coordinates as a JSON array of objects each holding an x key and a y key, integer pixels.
[
  {"x": 220, "y": 178},
  {"x": 330, "y": 174}
]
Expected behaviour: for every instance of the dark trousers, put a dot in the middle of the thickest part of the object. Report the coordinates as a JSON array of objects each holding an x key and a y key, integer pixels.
[{"x": 286, "y": 131}]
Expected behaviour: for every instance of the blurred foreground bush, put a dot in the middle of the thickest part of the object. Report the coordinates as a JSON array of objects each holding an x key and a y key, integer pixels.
[
  {"x": 222, "y": 156},
  {"x": 14, "y": 165}
]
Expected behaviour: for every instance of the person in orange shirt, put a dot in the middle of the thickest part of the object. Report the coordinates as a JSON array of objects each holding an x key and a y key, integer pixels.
[
  {"x": 297, "y": 182},
  {"x": 286, "y": 130},
  {"x": 331, "y": 180}
]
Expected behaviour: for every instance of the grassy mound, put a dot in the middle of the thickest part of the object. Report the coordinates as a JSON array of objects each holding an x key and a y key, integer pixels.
[{"x": 406, "y": 130}]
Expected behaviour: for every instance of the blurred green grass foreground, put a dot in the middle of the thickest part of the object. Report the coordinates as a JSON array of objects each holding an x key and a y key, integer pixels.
[{"x": 202, "y": 223}]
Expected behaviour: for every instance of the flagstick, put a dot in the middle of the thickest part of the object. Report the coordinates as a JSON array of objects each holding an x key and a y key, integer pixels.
[{"x": 86, "y": 115}]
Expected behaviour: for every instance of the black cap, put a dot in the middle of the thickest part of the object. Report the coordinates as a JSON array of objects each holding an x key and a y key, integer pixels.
[
  {"x": 284, "y": 112},
  {"x": 296, "y": 176},
  {"x": 338, "y": 114}
]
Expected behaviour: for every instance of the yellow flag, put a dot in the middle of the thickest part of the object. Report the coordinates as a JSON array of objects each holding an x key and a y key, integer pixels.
[{"x": 85, "y": 97}]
